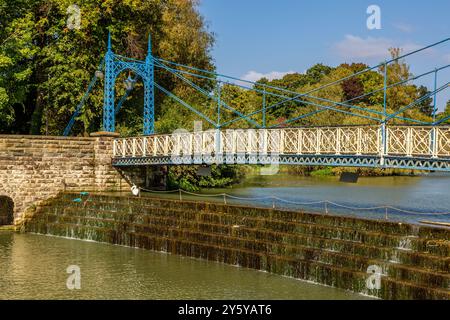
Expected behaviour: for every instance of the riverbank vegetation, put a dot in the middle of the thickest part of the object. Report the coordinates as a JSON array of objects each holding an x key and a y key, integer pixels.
[
  {"x": 337, "y": 171},
  {"x": 189, "y": 179}
]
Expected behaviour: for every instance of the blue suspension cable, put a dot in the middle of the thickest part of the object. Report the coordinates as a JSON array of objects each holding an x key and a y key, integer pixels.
[
  {"x": 334, "y": 103},
  {"x": 301, "y": 101},
  {"x": 428, "y": 95},
  {"x": 316, "y": 89},
  {"x": 219, "y": 101},
  {"x": 185, "y": 104}
]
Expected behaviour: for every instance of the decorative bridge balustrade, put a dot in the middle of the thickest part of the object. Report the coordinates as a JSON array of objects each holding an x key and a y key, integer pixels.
[{"x": 426, "y": 148}]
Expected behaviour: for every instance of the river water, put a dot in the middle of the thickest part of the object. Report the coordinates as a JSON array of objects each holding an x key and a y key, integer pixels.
[
  {"x": 410, "y": 199},
  {"x": 34, "y": 267}
]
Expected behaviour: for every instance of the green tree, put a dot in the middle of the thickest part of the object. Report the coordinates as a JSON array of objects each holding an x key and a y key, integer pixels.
[
  {"x": 426, "y": 106},
  {"x": 401, "y": 95},
  {"x": 445, "y": 113},
  {"x": 16, "y": 68},
  {"x": 316, "y": 73},
  {"x": 46, "y": 67}
]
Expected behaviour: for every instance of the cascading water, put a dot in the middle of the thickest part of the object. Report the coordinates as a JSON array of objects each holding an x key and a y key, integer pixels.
[{"x": 331, "y": 250}]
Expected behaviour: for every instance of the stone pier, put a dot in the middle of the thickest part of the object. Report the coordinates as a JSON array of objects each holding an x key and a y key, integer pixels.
[{"x": 35, "y": 168}]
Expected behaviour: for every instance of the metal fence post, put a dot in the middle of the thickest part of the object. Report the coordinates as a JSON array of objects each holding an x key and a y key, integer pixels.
[{"x": 264, "y": 124}]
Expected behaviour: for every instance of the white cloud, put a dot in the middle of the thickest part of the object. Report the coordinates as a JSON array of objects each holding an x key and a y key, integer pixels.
[
  {"x": 447, "y": 57},
  {"x": 404, "y": 27},
  {"x": 357, "y": 47},
  {"x": 255, "y": 76}
]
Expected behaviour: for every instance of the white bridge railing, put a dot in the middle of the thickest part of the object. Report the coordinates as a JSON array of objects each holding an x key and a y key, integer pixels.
[{"x": 398, "y": 141}]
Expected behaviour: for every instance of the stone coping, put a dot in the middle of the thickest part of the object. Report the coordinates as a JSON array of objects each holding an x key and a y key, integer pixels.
[
  {"x": 105, "y": 134},
  {"x": 12, "y": 136}
]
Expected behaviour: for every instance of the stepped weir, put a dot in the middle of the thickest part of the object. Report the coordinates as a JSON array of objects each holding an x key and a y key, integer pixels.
[{"x": 411, "y": 261}]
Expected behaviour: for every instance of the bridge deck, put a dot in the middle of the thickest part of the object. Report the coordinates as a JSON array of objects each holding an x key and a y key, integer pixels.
[{"x": 422, "y": 148}]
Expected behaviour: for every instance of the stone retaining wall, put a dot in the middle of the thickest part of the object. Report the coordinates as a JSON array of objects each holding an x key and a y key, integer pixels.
[{"x": 34, "y": 168}]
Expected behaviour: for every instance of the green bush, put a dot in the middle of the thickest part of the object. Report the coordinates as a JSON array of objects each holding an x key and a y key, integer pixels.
[{"x": 186, "y": 178}]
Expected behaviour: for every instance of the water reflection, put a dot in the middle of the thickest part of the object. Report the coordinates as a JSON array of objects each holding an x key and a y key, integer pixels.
[{"x": 424, "y": 195}]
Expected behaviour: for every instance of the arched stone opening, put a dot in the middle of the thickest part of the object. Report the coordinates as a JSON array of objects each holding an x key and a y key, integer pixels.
[{"x": 6, "y": 211}]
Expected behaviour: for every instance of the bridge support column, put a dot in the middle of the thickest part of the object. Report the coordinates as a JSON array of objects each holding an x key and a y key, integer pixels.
[
  {"x": 149, "y": 94},
  {"x": 114, "y": 65},
  {"x": 109, "y": 91}
]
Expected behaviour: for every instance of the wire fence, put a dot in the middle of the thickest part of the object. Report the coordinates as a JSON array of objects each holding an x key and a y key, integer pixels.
[{"x": 386, "y": 212}]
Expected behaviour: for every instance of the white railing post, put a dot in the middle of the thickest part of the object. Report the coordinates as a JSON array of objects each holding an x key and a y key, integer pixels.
[
  {"x": 191, "y": 144},
  {"x": 218, "y": 146},
  {"x": 155, "y": 146},
  {"x": 338, "y": 141},
  {"x": 144, "y": 146},
  {"x": 166, "y": 145},
  {"x": 409, "y": 142},
  {"x": 234, "y": 142},
  {"x": 281, "y": 137},
  {"x": 359, "y": 141},
  {"x": 265, "y": 142},
  {"x": 178, "y": 148},
  {"x": 318, "y": 140},
  {"x": 434, "y": 142},
  {"x": 299, "y": 141},
  {"x": 202, "y": 143},
  {"x": 383, "y": 144},
  {"x": 249, "y": 141}
]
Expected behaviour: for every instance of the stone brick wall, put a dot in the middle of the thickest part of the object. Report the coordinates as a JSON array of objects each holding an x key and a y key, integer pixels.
[{"x": 34, "y": 168}]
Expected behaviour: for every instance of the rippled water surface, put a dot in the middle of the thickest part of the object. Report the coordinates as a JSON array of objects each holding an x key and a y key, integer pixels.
[
  {"x": 411, "y": 199},
  {"x": 34, "y": 267}
]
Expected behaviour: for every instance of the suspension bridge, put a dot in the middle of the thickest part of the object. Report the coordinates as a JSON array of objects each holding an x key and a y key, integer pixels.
[{"x": 382, "y": 143}]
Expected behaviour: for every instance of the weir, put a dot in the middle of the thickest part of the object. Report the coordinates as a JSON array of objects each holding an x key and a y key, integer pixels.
[{"x": 338, "y": 251}]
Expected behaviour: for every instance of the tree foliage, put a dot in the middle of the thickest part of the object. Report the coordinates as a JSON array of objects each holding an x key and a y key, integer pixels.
[
  {"x": 46, "y": 67},
  {"x": 330, "y": 101}
]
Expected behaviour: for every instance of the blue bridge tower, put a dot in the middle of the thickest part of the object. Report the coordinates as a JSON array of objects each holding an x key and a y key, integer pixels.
[{"x": 115, "y": 65}]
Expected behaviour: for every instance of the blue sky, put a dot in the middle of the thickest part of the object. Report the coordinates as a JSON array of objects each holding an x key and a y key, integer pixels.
[{"x": 268, "y": 37}]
